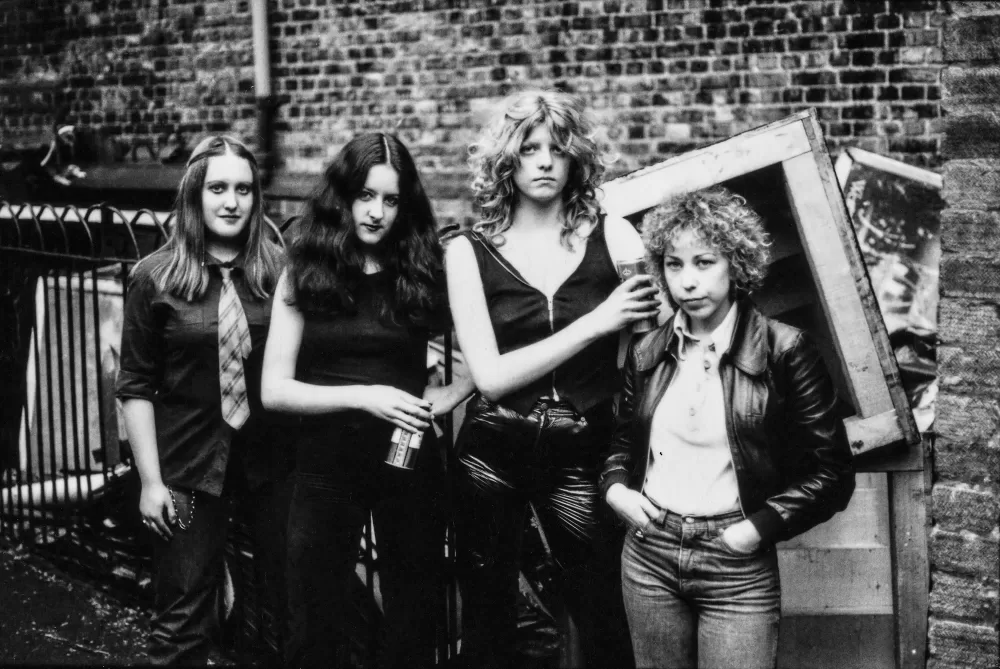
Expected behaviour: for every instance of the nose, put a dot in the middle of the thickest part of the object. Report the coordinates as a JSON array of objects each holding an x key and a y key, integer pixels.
[
  {"x": 689, "y": 279},
  {"x": 230, "y": 202},
  {"x": 375, "y": 210},
  {"x": 544, "y": 156}
]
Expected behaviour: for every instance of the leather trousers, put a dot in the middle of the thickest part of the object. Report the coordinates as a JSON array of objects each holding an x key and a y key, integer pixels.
[{"x": 541, "y": 468}]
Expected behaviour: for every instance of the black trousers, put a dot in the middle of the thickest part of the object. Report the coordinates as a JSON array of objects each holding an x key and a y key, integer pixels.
[
  {"x": 330, "y": 619},
  {"x": 541, "y": 468},
  {"x": 188, "y": 569}
]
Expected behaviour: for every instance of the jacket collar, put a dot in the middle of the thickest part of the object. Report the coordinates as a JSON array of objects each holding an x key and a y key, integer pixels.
[{"x": 748, "y": 351}]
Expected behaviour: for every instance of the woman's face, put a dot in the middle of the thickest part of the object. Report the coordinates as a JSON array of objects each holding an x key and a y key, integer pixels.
[
  {"x": 543, "y": 171},
  {"x": 227, "y": 197},
  {"x": 375, "y": 208},
  {"x": 698, "y": 279}
]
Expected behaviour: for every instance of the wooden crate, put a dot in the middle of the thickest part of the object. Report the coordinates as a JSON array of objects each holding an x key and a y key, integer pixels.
[{"x": 817, "y": 279}]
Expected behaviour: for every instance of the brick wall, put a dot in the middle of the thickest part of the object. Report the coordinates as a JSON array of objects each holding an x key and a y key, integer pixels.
[
  {"x": 964, "y": 611},
  {"x": 666, "y": 75}
]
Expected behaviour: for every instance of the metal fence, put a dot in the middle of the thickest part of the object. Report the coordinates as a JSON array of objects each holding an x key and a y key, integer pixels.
[{"x": 68, "y": 487}]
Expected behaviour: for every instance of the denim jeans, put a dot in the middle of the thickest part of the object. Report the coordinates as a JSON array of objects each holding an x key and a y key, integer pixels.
[
  {"x": 693, "y": 601},
  {"x": 188, "y": 569},
  {"x": 325, "y": 522}
]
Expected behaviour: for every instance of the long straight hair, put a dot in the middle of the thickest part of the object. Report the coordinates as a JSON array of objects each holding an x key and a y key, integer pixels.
[
  {"x": 180, "y": 263},
  {"x": 326, "y": 259}
]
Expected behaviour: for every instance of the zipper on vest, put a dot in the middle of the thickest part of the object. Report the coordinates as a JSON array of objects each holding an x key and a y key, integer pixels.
[{"x": 552, "y": 330}]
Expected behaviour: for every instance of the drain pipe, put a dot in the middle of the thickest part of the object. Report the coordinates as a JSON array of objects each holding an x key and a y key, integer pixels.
[{"x": 267, "y": 103}]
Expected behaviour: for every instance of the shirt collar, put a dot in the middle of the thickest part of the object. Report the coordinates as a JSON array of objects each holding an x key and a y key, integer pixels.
[
  {"x": 720, "y": 339},
  {"x": 239, "y": 262}
]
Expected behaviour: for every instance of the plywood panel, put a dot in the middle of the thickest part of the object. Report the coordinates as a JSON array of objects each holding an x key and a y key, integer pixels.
[{"x": 836, "y": 642}]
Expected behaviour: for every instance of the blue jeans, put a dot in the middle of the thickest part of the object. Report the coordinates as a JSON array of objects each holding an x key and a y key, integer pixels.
[{"x": 692, "y": 601}]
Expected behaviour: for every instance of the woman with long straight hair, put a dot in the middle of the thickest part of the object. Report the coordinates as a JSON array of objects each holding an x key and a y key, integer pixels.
[
  {"x": 728, "y": 440},
  {"x": 195, "y": 323},
  {"x": 538, "y": 306},
  {"x": 362, "y": 293}
]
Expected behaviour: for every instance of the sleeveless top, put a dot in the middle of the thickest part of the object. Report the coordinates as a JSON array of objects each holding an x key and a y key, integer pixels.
[
  {"x": 522, "y": 315},
  {"x": 356, "y": 349}
]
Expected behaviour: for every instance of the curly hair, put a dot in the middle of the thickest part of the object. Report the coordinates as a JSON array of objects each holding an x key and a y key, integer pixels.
[
  {"x": 179, "y": 268},
  {"x": 326, "y": 261},
  {"x": 495, "y": 156},
  {"x": 723, "y": 220}
]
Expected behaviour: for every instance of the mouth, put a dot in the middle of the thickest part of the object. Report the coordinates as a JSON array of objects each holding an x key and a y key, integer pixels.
[
  {"x": 545, "y": 180},
  {"x": 371, "y": 227},
  {"x": 693, "y": 302}
]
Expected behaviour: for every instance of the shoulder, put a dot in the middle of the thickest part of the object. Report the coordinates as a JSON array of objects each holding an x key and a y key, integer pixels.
[
  {"x": 143, "y": 272},
  {"x": 783, "y": 338}
]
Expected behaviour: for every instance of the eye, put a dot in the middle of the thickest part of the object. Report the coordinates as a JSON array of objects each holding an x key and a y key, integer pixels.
[
  {"x": 244, "y": 189},
  {"x": 672, "y": 264},
  {"x": 527, "y": 149},
  {"x": 392, "y": 200},
  {"x": 365, "y": 195},
  {"x": 558, "y": 150},
  {"x": 216, "y": 188},
  {"x": 706, "y": 262}
]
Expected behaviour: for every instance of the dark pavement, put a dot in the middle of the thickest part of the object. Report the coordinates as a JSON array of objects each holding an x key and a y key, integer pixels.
[{"x": 48, "y": 617}]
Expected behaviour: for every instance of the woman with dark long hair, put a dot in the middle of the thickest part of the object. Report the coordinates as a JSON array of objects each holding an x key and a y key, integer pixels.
[
  {"x": 362, "y": 293},
  {"x": 195, "y": 323},
  {"x": 728, "y": 440},
  {"x": 538, "y": 307}
]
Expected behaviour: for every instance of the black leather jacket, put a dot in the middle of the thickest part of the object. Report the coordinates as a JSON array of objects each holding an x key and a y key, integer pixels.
[{"x": 789, "y": 448}]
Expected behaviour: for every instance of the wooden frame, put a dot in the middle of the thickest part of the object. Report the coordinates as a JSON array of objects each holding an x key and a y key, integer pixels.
[
  {"x": 785, "y": 172},
  {"x": 811, "y": 229}
]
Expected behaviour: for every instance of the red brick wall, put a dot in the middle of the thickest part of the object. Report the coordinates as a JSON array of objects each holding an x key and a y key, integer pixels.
[
  {"x": 666, "y": 75},
  {"x": 965, "y": 506}
]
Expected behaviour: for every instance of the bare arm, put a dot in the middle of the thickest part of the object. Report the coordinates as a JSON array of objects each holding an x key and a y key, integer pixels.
[
  {"x": 155, "y": 504},
  {"x": 280, "y": 391},
  {"x": 497, "y": 375}
]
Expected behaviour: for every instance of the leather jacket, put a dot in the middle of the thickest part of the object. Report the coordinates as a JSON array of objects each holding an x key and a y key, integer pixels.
[{"x": 789, "y": 448}]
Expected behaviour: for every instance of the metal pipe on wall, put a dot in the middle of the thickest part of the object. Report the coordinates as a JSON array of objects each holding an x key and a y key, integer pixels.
[{"x": 266, "y": 101}]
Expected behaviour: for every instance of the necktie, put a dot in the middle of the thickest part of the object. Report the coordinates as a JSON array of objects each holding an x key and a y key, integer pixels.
[{"x": 234, "y": 346}]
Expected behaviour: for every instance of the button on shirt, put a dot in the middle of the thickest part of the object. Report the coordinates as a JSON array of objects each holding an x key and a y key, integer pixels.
[
  {"x": 170, "y": 356},
  {"x": 690, "y": 468}
]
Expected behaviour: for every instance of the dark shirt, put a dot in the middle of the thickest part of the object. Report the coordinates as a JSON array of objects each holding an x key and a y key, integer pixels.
[
  {"x": 356, "y": 349},
  {"x": 521, "y": 315},
  {"x": 170, "y": 356}
]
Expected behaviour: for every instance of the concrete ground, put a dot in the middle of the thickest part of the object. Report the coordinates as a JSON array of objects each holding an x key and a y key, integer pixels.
[{"x": 48, "y": 617}]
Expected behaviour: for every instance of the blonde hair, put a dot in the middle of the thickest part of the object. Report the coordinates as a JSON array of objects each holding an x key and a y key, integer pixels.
[{"x": 495, "y": 156}]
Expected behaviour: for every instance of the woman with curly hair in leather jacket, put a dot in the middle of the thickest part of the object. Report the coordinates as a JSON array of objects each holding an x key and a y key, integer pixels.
[{"x": 727, "y": 440}]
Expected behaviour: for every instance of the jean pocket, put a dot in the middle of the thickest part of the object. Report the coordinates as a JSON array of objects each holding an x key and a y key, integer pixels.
[{"x": 639, "y": 532}]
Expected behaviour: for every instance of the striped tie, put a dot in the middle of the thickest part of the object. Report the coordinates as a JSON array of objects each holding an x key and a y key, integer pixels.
[{"x": 234, "y": 346}]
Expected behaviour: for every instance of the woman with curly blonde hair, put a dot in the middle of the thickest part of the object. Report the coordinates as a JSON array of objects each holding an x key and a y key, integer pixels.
[
  {"x": 537, "y": 306},
  {"x": 727, "y": 440}
]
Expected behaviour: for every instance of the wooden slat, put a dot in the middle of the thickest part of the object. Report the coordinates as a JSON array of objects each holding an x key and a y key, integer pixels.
[
  {"x": 883, "y": 164},
  {"x": 910, "y": 569},
  {"x": 830, "y": 267},
  {"x": 871, "y": 310},
  {"x": 866, "y": 434},
  {"x": 705, "y": 167}
]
